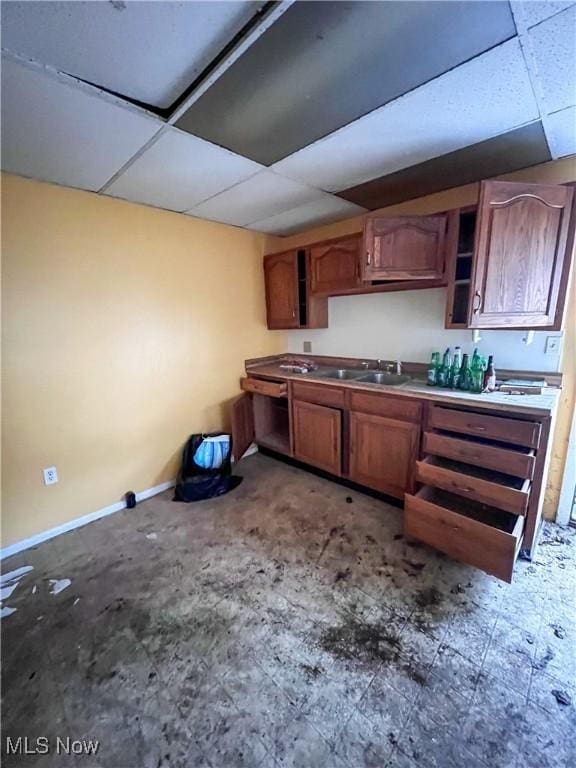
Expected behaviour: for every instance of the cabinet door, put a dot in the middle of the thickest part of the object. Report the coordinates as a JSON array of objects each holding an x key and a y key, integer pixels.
[
  {"x": 407, "y": 248},
  {"x": 281, "y": 282},
  {"x": 521, "y": 260},
  {"x": 382, "y": 452},
  {"x": 335, "y": 266},
  {"x": 317, "y": 433},
  {"x": 242, "y": 419}
]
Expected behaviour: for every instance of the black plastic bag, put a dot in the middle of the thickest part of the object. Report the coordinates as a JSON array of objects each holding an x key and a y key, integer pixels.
[{"x": 195, "y": 483}]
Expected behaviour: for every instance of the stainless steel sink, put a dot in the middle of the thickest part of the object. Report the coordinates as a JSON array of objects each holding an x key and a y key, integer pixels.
[
  {"x": 340, "y": 373},
  {"x": 380, "y": 377}
]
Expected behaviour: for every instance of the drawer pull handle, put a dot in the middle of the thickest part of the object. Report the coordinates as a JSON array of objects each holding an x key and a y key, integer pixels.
[
  {"x": 368, "y": 258},
  {"x": 476, "y": 308},
  {"x": 477, "y": 427}
]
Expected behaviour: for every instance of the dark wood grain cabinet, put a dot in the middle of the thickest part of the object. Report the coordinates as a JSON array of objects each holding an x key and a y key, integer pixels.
[
  {"x": 404, "y": 248},
  {"x": 382, "y": 452},
  {"x": 317, "y": 435},
  {"x": 521, "y": 256},
  {"x": 335, "y": 265},
  {"x": 281, "y": 282},
  {"x": 289, "y": 300}
]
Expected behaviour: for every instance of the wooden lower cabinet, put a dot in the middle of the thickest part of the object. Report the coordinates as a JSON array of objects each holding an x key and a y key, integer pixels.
[
  {"x": 317, "y": 435},
  {"x": 382, "y": 452}
]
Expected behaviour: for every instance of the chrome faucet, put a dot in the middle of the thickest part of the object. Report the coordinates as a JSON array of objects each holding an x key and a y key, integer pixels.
[
  {"x": 398, "y": 367},
  {"x": 365, "y": 365}
]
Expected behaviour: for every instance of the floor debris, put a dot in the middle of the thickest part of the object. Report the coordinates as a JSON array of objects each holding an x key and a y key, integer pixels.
[
  {"x": 59, "y": 585},
  {"x": 562, "y": 697}
]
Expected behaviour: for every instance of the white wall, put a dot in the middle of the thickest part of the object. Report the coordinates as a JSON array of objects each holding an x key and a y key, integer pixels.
[{"x": 408, "y": 326}]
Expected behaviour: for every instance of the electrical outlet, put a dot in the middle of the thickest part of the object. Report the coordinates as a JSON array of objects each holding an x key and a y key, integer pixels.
[
  {"x": 307, "y": 346},
  {"x": 50, "y": 475},
  {"x": 552, "y": 345}
]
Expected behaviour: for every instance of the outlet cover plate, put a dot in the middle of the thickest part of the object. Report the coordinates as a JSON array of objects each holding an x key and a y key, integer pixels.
[
  {"x": 552, "y": 345},
  {"x": 50, "y": 475}
]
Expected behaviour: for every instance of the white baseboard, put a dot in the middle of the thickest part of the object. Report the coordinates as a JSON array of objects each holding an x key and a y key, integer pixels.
[{"x": 78, "y": 522}]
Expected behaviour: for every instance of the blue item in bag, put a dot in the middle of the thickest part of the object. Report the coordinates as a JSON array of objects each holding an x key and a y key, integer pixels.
[{"x": 212, "y": 451}]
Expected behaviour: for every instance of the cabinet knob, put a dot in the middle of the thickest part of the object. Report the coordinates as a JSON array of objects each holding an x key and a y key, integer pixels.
[
  {"x": 477, "y": 306},
  {"x": 293, "y": 313}
]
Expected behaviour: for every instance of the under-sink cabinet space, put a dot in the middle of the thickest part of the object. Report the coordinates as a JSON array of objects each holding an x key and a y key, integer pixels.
[
  {"x": 317, "y": 433},
  {"x": 500, "y": 428},
  {"x": 473, "y": 533},
  {"x": 486, "y": 486},
  {"x": 517, "y": 461},
  {"x": 263, "y": 387},
  {"x": 272, "y": 423}
]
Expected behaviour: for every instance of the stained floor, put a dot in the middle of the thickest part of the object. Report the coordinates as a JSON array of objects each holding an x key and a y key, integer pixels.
[{"x": 287, "y": 624}]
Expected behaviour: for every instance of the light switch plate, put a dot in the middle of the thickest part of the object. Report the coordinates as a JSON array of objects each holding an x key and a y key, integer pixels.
[
  {"x": 552, "y": 345},
  {"x": 50, "y": 475},
  {"x": 307, "y": 346}
]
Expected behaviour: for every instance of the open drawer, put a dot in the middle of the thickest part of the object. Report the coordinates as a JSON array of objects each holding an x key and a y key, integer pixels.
[
  {"x": 263, "y": 387},
  {"x": 473, "y": 533},
  {"x": 486, "y": 486},
  {"x": 514, "y": 460}
]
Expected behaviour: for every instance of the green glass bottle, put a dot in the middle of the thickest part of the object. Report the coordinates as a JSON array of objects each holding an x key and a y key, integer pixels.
[
  {"x": 476, "y": 373},
  {"x": 444, "y": 370},
  {"x": 464, "y": 375},
  {"x": 432, "y": 375},
  {"x": 455, "y": 368}
]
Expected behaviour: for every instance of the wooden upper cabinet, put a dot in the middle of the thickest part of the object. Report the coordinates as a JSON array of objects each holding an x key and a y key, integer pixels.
[
  {"x": 281, "y": 281},
  {"x": 522, "y": 256},
  {"x": 406, "y": 248},
  {"x": 335, "y": 265}
]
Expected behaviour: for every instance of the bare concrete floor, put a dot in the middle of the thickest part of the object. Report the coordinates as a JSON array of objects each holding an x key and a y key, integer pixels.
[{"x": 284, "y": 625}]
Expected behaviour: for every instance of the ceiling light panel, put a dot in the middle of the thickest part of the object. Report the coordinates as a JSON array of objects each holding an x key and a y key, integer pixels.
[
  {"x": 256, "y": 199},
  {"x": 325, "y": 210},
  {"x": 58, "y": 132},
  {"x": 179, "y": 171},
  {"x": 148, "y": 51},
  {"x": 325, "y": 64},
  {"x": 473, "y": 102},
  {"x": 552, "y": 48}
]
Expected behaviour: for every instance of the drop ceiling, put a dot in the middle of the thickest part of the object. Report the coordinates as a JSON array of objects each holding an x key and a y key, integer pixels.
[{"x": 281, "y": 116}]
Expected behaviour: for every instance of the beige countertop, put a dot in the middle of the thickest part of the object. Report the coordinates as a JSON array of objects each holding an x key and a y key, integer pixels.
[{"x": 535, "y": 405}]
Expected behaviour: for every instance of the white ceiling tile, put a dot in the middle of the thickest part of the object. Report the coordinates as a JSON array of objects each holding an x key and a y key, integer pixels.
[
  {"x": 179, "y": 171},
  {"x": 57, "y": 132},
  {"x": 149, "y": 51},
  {"x": 560, "y": 129},
  {"x": 475, "y": 101},
  {"x": 256, "y": 199},
  {"x": 527, "y": 13},
  {"x": 322, "y": 211},
  {"x": 552, "y": 47}
]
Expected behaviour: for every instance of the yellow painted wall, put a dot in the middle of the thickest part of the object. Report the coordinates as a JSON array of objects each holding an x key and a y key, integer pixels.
[
  {"x": 557, "y": 172},
  {"x": 125, "y": 328}
]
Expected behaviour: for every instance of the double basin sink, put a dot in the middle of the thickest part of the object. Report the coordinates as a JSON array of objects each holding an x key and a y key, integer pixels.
[{"x": 366, "y": 377}]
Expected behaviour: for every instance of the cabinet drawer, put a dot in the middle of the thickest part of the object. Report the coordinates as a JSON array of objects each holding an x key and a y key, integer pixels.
[
  {"x": 262, "y": 387},
  {"x": 321, "y": 394},
  {"x": 472, "y": 533},
  {"x": 483, "y": 485},
  {"x": 508, "y": 430},
  {"x": 518, "y": 462},
  {"x": 381, "y": 405}
]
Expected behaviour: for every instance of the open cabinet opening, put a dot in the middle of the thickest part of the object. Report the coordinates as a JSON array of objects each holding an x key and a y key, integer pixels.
[{"x": 272, "y": 422}]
